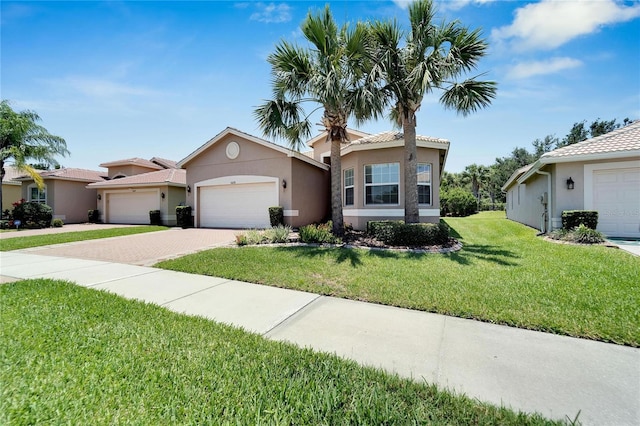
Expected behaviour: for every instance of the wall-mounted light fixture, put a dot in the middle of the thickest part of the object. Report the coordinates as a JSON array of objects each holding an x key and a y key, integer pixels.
[
  {"x": 570, "y": 183},
  {"x": 188, "y": 188},
  {"x": 99, "y": 197},
  {"x": 162, "y": 195},
  {"x": 284, "y": 183}
]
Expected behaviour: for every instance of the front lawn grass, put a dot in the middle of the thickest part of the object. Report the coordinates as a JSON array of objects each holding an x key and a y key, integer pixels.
[
  {"x": 18, "y": 243},
  {"x": 504, "y": 274},
  {"x": 71, "y": 355}
]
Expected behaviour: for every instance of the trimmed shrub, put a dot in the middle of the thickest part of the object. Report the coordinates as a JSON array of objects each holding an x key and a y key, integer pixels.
[
  {"x": 320, "y": 234},
  {"x": 457, "y": 202},
  {"x": 278, "y": 234},
  {"x": 183, "y": 216},
  {"x": 397, "y": 233},
  {"x": 585, "y": 235},
  {"x": 32, "y": 214},
  {"x": 94, "y": 216},
  {"x": 276, "y": 216},
  {"x": 154, "y": 217},
  {"x": 57, "y": 223},
  {"x": 573, "y": 218}
]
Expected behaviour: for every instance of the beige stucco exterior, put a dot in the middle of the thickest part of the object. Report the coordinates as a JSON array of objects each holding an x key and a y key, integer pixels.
[
  {"x": 69, "y": 199},
  {"x": 11, "y": 192},
  {"x": 305, "y": 197},
  {"x": 129, "y": 170},
  {"x": 358, "y": 214}
]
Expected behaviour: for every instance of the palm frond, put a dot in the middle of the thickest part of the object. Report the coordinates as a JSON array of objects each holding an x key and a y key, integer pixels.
[{"x": 469, "y": 96}]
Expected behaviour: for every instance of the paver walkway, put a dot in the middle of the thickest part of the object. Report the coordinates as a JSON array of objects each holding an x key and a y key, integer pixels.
[{"x": 141, "y": 249}]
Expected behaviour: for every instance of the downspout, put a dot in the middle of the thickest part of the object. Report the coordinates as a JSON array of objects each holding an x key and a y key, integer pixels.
[{"x": 549, "y": 209}]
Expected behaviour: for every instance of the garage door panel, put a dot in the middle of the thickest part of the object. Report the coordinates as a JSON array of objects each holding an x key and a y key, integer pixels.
[
  {"x": 131, "y": 207},
  {"x": 237, "y": 205},
  {"x": 616, "y": 197}
]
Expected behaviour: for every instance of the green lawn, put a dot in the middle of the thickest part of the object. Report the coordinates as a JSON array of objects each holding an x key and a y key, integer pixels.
[
  {"x": 18, "y": 243},
  {"x": 504, "y": 274},
  {"x": 71, "y": 355}
]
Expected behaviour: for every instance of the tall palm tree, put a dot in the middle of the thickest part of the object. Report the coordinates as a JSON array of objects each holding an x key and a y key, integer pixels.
[
  {"x": 22, "y": 140},
  {"x": 478, "y": 177},
  {"x": 431, "y": 57},
  {"x": 331, "y": 75}
]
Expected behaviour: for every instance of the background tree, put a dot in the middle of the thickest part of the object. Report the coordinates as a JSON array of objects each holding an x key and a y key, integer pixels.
[
  {"x": 431, "y": 57},
  {"x": 22, "y": 140},
  {"x": 477, "y": 176},
  {"x": 542, "y": 146},
  {"x": 330, "y": 74}
]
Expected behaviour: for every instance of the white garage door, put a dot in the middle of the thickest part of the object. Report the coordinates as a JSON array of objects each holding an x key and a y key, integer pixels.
[
  {"x": 131, "y": 207},
  {"x": 237, "y": 206},
  {"x": 616, "y": 197}
]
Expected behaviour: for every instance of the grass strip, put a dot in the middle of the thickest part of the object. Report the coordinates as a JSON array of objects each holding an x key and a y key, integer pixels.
[
  {"x": 504, "y": 274},
  {"x": 71, "y": 355},
  {"x": 18, "y": 243}
]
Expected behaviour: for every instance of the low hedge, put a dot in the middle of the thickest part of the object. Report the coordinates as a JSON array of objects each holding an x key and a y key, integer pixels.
[
  {"x": 276, "y": 216},
  {"x": 398, "y": 233},
  {"x": 33, "y": 215},
  {"x": 573, "y": 218}
]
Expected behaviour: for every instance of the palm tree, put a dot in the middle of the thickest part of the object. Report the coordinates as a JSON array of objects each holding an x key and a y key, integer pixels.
[
  {"x": 22, "y": 139},
  {"x": 331, "y": 75},
  {"x": 478, "y": 177},
  {"x": 430, "y": 57}
]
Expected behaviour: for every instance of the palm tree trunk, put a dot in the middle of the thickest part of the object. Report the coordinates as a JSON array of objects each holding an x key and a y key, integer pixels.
[
  {"x": 336, "y": 188},
  {"x": 411, "y": 210},
  {"x": 2, "y": 173}
]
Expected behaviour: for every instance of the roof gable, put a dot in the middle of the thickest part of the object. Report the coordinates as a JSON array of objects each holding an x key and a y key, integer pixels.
[
  {"x": 175, "y": 177},
  {"x": 231, "y": 131},
  {"x": 353, "y": 135}
]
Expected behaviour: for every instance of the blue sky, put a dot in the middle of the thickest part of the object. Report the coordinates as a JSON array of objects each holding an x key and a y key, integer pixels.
[{"x": 122, "y": 79}]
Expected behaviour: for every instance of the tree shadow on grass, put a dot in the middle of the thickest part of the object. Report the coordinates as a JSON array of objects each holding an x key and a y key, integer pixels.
[
  {"x": 340, "y": 254},
  {"x": 471, "y": 253}
]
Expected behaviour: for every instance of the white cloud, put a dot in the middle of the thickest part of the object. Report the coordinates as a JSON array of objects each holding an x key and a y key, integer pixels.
[
  {"x": 550, "y": 66},
  {"x": 551, "y": 23},
  {"x": 271, "y": 13}
]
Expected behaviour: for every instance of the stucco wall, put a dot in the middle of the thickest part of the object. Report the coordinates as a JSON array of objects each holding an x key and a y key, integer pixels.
[
  {"x": 70, "y": 200},
  {"x": 356, "y": 214},
  {"x": 310, "y": 187},
  {"x": 175, "y": 196},
  {"x": 10, "y": 194},
  {"x": 129, "y": 170},
  {"x": 523, "y": 201}
]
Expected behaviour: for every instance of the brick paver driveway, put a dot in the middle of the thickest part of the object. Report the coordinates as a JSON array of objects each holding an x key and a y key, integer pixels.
[{"x": 142, "y": 249}]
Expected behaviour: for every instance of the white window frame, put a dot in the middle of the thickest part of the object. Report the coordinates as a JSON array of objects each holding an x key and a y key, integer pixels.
[
  {"x": 429, "y": 184},
  {"x": 40, "y": 200},
  {"x": 351, "y": 186},
  {"x": 367, "y": 185}
]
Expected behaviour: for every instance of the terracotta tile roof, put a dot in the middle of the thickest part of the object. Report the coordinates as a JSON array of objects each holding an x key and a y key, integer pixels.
[
  {"x": 167, "y": 164},
  {"x": 624, "y": 139},
  {"x": 135, "y": 161},
  {"x": 161, "y": 177},
  {"x": 69, "y": 174},
  {"x": 392, "y": 136}
]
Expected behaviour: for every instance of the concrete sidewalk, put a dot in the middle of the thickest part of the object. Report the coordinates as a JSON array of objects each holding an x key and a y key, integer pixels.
[{"x": 556, "y": 376}]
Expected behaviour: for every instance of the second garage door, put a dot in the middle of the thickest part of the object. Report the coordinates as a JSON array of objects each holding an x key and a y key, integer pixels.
[
  {"x": 131, "y": 207},
  {"x": 237, "y": 205},
  {"x": 616, "y": 197}
]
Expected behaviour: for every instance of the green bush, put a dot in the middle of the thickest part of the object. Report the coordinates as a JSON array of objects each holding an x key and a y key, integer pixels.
[
  {"x": 574, "y": 218},
  {"x": 457, "y": 202},
  {"x": 183, "y": 216},
  {"x": 94, "y": 216},
  {"x": 273, "y": 235},
  {"x": 154, "y": 217},
  {"x": 320, "y": 234},
  {"x": 32, "y": 214},
  {"x": 278, "y": 234},
  {"x": 397, "y": 233},
  {"x": 581, "y": 234},
  {"x": 276, "y": 216},
  {"x": 57, "y": 223}
]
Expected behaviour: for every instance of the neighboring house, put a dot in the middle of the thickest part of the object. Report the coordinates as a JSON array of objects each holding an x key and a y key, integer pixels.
[
  {"x": 137, "y": 186},
  {"x": 64, "y": 191},
  {"x": 373, "y": 176},
  {"x": 11, "y": 188},
  {"x": 602, "y": 174},
  {"x": 235, "y": 177}
]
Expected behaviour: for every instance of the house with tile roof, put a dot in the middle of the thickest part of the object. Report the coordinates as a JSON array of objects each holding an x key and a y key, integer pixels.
[
  {"x": 11, "y": 188},
  {"x": 601, "y": 174},
  {"x": 234, "y": 178},
  {"x": 64, "y": 191}
]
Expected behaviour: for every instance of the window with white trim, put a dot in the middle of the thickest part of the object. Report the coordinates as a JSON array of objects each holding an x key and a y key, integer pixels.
[
  {"x": 424, "y": 183},
  {"x": 381, "y": 183},
  {"x": 348, "y": 187},
  {"x": 38, "y": 195}
]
